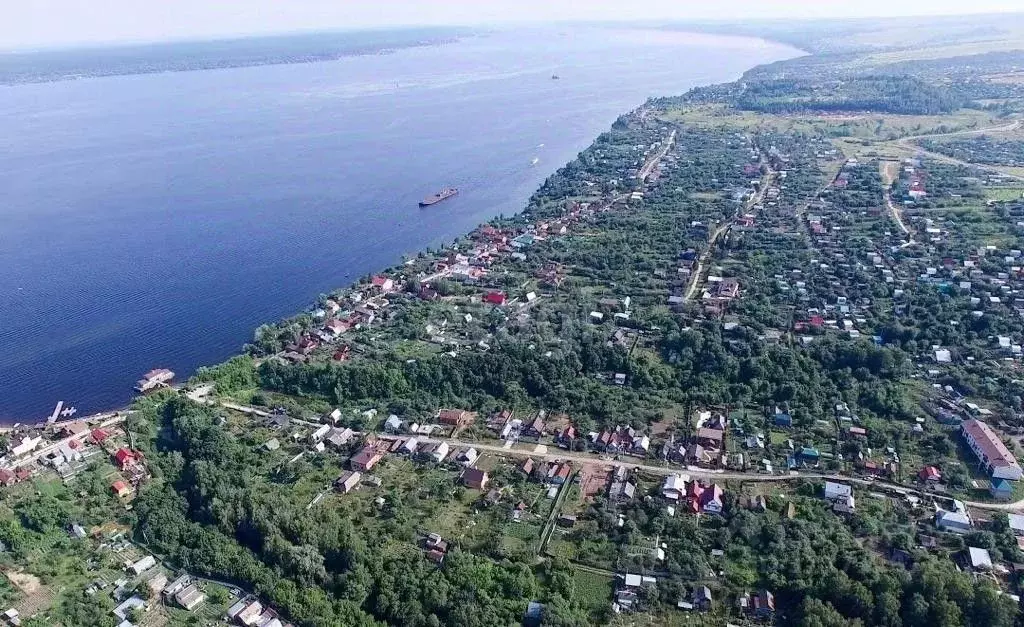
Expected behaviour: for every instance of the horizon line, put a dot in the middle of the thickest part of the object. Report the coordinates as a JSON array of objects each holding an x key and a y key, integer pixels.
[{"x": 241, "y": 36}]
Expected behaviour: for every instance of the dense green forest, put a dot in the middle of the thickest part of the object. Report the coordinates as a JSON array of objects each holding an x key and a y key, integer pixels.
[{"x": 887, "y": 94}]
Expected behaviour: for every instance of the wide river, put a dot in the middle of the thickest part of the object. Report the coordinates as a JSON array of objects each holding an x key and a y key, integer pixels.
[{"x": 156, "y": 220}]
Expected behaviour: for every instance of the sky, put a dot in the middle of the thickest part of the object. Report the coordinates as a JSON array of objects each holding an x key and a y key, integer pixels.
[{"x": 54, "y": 23}]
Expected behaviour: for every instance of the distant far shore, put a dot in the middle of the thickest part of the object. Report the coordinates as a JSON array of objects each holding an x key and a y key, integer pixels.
[{"x": 48, "y": 66}]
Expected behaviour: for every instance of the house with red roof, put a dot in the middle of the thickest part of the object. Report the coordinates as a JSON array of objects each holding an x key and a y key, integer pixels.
[
  {"x": 992, "y": 454},
  {"x": 475, "y": 478},
  {"x": 453, "y": 417},
  {"x": 694, "y": 492},
  {"x": 306, "y": 346},
  {"x": 124, "y": 458},
  {"x": 99, "y": 436},
  {"x": 560, "y": 473},
  {"x": 7, "y": 478},
  {"x": 428, "y": 293},
  {"x": 495, "y": 298},
  {"x": 337, "y": 327},
  {"x": 567, "y": 436},
  {"x": 120, "y": 488},
  {"x": 930, "y": 474},
  {"x": 383, "y": 284},
  {"x": 535, "y": 429},
  {"x": 366, "y": 458}
]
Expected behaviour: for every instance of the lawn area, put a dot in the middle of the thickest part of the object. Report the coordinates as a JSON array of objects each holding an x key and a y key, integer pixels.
[
  {"x": 558, "y": 546},
  {"x": 778, "y": 438},
  {"x": 581, "y": 546},
  {"x": 520, "y": 538},
  {"x": 1002, "y": 194},
  {"x": 415, "y": 349},
  {"x": 593, "y": 590}
]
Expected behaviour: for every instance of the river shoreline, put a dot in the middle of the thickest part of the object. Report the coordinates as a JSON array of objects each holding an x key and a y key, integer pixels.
[{"x": 448, "y": 227}]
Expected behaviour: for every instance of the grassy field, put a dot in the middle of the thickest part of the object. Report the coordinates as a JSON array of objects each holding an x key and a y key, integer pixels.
[
  {"x": 943, "y": 52},
  {"x": 855, "y": 133},
  {"x": 778, "y": 438},
  {"x": 1004, "y": 193},
  {"x": 520, "y": 538},
  {"x": 593, "y": 590},
  {"x": 559, "y": 547}
]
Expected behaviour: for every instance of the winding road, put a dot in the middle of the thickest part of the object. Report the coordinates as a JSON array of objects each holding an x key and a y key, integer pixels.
[{"x": 908, "y": 143}]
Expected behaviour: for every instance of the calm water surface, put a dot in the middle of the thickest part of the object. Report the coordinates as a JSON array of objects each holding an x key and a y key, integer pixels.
[{"x": 156, "y": 220}]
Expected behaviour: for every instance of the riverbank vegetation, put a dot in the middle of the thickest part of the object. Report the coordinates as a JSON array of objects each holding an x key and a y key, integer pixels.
[{"x": 761, "y": 283}]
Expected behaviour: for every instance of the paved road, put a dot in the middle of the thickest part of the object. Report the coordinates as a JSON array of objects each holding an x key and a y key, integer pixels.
[{"x": 703, "y": 473}]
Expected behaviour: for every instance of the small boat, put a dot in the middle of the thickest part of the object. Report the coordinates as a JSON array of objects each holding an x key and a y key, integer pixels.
[
  {"x": 535, "y": 161},
  {"x": 555, "y": 77},
  {"x": 444, "y": 194}
]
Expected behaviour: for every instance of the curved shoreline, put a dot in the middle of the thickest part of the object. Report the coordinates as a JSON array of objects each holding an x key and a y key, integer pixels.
[{"x": 185, "y": 373}]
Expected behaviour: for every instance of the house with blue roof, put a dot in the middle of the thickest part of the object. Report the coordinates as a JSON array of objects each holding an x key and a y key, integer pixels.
[
  {"x": 809, "y": 455},
  {"x": 1001, "y": 489}
]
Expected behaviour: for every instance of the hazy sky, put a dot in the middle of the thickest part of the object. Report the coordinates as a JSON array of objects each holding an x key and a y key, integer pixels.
[{"x": 40, "y": 23}]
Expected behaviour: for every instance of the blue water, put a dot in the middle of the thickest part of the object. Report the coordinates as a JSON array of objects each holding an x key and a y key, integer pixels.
[{"x": 156, "y": 220}]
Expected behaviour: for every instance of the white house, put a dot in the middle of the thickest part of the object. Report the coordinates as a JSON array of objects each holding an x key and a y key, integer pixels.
[
  {"x": 953, "y": 522},
  {"x": 440, "y": 452},
  {"x": 674, "y": 487},
  {"x": 835, "y": 491},
  {"x": 1016, "y": 524},
  {"x": 393, "y": 424},
  {"x": 409, "y": 446},
  {"x": 980, "y": 559},
  {"x": 841, "y": 497},
  {"x": 320, "y": 433},
  {"x": 468, "y": 457},
  {"x": 143, "y": 565},
  {"x": 25, "y": 446}
]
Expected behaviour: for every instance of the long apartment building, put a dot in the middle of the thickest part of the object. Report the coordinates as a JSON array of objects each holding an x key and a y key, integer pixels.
[{"x": 993, "y": 455}]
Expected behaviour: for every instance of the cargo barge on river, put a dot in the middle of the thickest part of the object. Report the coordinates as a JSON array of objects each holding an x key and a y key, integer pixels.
[{"x": 444, "y": 194}]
